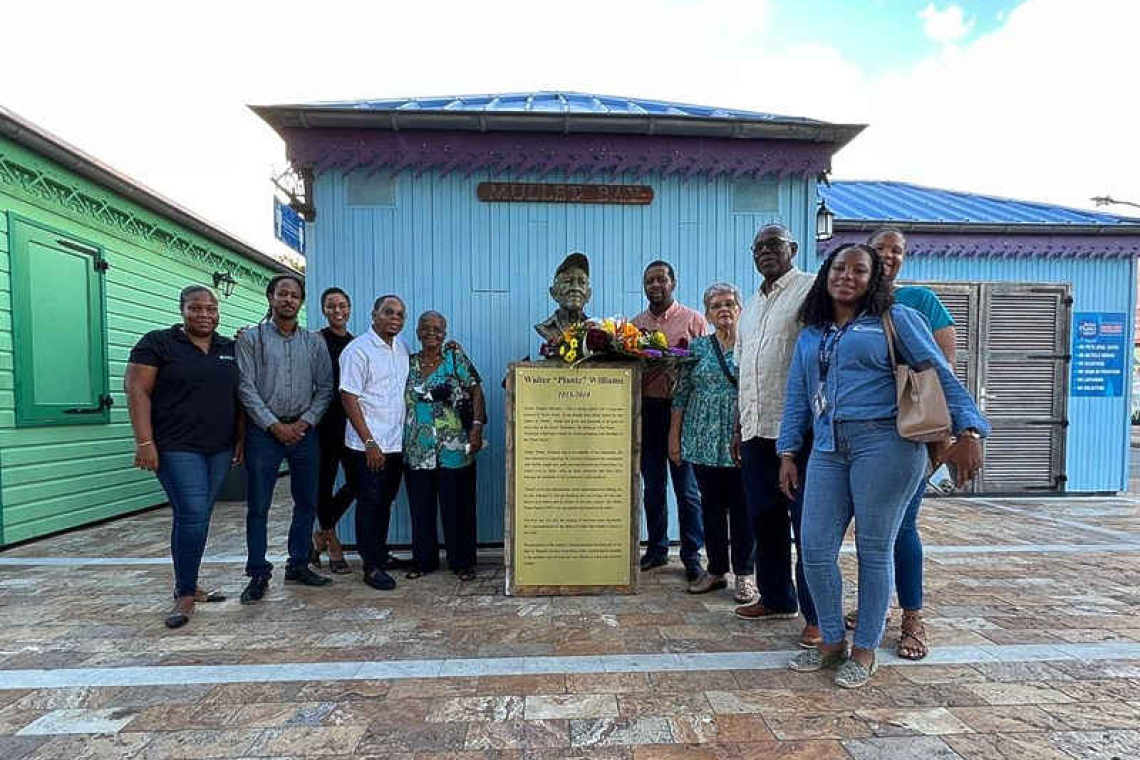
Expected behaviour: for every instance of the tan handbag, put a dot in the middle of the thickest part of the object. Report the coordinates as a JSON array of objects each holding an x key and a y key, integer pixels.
[{"x": 923, "y": 414}]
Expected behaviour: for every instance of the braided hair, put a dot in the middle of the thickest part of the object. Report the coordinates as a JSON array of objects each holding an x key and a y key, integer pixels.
[{"x": 818, "y": 310}]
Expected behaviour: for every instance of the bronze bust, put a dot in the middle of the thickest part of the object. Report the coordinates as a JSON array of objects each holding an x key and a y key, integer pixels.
[{"x": 571, "y": 290}]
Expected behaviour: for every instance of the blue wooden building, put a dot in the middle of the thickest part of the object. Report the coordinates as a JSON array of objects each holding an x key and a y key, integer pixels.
[
  {"x": 394, "y": 185},
  {"x": 1044, "y": 297}
]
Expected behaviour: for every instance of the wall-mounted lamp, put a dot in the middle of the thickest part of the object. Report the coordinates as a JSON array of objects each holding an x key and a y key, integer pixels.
[
  {"x": 824, "y": 222},
  {"x": 225, "y": 283}
]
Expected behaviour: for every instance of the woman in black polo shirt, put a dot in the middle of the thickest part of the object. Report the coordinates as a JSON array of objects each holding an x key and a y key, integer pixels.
[{"x": 181, "y": 386}]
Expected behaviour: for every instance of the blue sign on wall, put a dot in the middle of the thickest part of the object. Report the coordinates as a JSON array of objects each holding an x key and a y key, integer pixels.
[
  {"x": 1099, "y": 353},
  {"x": 288, "y": 226}
]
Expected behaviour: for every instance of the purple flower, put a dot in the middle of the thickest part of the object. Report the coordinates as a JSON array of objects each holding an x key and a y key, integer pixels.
[
  {"x": 597, "y": 339},
  {"x": 679, "y": 352},
  {"x": 651, "y": 353}
]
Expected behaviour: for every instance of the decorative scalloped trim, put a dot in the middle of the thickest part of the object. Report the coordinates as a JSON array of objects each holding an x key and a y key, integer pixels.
[
  {"x": 105, "y": 210},
  {"x": 598, "y": 155},
  {"x": 1011, "y": 245}
]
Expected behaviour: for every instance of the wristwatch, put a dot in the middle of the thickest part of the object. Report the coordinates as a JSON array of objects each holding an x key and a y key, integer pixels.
[
  {"x": 970, "y": 433},
  {"x": 371, "y": 444}
]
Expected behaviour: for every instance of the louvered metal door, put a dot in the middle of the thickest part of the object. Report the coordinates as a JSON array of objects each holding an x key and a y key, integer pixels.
[
  {"x": 1024, "y": 385},
  {"x": 1012, "y": 356}
]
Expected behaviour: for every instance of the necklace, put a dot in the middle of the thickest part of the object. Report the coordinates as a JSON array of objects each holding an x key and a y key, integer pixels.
[{"x": 430, "y": 365}]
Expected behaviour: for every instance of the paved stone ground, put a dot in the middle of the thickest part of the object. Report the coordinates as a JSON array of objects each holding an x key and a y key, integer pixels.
[{"x": 1033, "y": 609}]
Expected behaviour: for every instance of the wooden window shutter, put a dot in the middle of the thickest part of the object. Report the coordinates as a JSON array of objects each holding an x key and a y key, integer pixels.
[{"x": 58, "y": 328}]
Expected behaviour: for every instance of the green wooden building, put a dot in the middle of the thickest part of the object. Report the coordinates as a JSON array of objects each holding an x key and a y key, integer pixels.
[{"x": 89, "y": 261}]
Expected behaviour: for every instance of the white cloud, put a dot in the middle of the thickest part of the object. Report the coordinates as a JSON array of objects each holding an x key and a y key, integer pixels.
[
  {"x": 160, "y": 92},
  {"x": 945, "y": 26}
]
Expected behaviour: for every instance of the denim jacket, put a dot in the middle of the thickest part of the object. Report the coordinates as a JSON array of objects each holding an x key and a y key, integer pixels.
[{"x": 860, "y": 384}]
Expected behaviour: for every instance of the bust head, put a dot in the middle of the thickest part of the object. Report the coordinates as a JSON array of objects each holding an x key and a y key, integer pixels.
[{"x": 571, "y": 285}]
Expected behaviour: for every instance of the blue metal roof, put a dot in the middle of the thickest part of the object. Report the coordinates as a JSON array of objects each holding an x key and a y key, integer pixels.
[
  {"x": 902, "y": 202},
  {"x": 557, "y": 102}
]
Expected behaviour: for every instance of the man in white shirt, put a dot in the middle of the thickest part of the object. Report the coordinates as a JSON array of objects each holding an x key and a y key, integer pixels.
[
  {"x": 373, "y": 372},
  {"x": 765, "y": 339}
]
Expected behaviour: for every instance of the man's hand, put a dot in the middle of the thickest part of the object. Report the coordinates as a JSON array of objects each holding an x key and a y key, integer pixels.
[
  {"x": 475, "y": 438},
  {"x": 286, "y": 432},
  {"x": 374, "y": 458},
  {"x": 966, "y": 456}
]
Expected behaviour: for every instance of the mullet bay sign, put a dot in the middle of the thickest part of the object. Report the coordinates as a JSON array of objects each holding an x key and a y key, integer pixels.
[{"x": 562, "y": 192}]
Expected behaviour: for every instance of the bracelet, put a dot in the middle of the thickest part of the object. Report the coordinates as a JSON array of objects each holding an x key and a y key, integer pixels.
[
  {"x": 477, "y": 423},
  {"x": 145, "y": 443}
]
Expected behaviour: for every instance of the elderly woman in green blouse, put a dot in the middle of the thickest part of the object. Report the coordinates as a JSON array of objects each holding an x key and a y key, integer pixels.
[
  {"x": 443, "y": 430},
  {"x": 704, "y": 408}
]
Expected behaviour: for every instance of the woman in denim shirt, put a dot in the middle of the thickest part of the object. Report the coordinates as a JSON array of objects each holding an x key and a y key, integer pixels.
[
  {"x": 842, "y": 386},
  {"x": 700, "y": 432}
]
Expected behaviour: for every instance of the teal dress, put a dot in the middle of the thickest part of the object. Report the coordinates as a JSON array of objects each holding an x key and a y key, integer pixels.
[
  {"x": 433, "y": 434},
  {"x": 709, "y": 401}
]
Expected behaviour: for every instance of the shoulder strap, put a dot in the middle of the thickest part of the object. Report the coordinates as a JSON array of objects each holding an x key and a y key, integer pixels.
[
  {"x": 720, "y": 358},
  {"x": 892, "y": 336}
]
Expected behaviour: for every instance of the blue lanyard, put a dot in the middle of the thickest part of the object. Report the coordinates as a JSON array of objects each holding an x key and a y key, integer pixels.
[{"x": 828, "y": 347}]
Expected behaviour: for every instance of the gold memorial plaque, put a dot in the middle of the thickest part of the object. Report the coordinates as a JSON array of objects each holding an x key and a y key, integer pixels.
[{"x": 573, "y": 479}]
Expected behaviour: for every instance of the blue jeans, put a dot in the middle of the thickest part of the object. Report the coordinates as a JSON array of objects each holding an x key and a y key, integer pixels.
[
  {"x": 776, "y": 524},
  {"x": 908, "y": 554},
  {"x": 191, "y": 482},
  {"x": 655, "y": 467},
  {"x": 263, "y": 457},
  {"x": 870, "y": 477}
]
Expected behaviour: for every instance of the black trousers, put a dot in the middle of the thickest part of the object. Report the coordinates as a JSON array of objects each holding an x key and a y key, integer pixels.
[
  {"x": 450, "y": 492},
  {"x": 331, "y": 505},
  {"x": 727, "y": 520},
  {"x": 375, "y": 492}
]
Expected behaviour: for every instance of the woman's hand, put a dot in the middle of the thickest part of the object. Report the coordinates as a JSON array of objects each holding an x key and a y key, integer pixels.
[
  {"x": 675, "y": 445},
  {"x": 789, "y": 477},
  {"x": 146, "y": 456},
  {"x": 734, "y": 447},
  {"x": 966, "y": 456},
  {"x": 475, "y": 438}
]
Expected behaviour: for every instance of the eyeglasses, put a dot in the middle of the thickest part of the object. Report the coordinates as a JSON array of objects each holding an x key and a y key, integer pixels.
[{"x": 771, "y": 244}]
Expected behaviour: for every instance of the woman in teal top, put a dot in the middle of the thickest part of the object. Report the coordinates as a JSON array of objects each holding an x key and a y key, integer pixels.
[
  {"x": 443, "y": 430},
  {"x": 890, "y": 244},
  {"x": 704, "y": 413}
]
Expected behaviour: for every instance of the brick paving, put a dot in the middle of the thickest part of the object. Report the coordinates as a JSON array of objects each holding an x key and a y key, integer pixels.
[{"x": 1061, "y": 574}]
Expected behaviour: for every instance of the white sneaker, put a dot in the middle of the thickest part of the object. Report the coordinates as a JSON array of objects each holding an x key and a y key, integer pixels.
[{"x": 746, "y": 591}]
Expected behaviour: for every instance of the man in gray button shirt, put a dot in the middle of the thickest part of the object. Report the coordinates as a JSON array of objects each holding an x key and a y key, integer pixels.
[{"x": 286, "y": 385}]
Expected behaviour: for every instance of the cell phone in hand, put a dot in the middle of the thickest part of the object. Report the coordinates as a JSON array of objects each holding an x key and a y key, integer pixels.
[{"x": 944, "y": 480}]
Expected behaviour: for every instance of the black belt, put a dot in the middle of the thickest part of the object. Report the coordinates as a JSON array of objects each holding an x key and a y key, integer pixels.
[{"x": 289, "y": 420}]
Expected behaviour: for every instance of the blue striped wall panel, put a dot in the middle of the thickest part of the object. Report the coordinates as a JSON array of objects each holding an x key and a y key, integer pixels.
[{"x": 487, "y": 267}]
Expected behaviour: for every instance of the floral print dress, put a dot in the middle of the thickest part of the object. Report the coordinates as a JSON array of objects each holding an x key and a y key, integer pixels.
[
  {"x": 433, "y": 432},
  {"x": 709, "y": 401}
]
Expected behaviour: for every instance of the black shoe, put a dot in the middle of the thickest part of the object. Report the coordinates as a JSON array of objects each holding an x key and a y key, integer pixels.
[
  {"x": 305, "y": 576},
  {"x": 380, "y": 580},
  {"x": 255, "y": 590},
  {"x": 649, "y": 561},
  {"x": 693, "y": 572}
]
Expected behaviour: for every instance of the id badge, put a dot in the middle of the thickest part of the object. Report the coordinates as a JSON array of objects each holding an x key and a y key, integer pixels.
[{"x": 818, "y": 402}]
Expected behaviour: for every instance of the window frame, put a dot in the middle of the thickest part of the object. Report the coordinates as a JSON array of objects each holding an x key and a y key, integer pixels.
[{"x": 22, "y": 230}]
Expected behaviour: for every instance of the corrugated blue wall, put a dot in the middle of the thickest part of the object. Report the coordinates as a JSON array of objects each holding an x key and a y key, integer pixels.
[
  {"x": 1097, "y": 448},
  {"x": 487, "y": 267}
]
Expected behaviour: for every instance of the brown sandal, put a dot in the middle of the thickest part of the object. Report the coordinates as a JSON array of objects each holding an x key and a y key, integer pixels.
[{"x": 912, "y": 639}]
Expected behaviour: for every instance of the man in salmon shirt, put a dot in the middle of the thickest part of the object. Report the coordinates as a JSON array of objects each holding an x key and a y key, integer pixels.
[{"x": 680, "y": 324}]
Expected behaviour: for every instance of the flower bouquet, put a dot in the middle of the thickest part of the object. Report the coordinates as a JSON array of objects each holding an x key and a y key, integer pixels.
[{"x": 613, "y": 338}]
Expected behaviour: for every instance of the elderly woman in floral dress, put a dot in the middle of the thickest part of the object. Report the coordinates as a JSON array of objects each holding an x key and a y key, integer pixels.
[
  {"x": 443, "y": 430},
  {"x": 704, "y": 408}
]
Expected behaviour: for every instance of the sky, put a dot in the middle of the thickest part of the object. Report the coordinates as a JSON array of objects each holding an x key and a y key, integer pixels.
[{"x": 1030, "y": 99}]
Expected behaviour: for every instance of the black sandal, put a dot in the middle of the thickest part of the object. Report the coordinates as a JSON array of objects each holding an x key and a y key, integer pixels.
[
  {"x": 466, "y": 575},
  {"x": 912, "y": 638},
  {"x": 413, "y": 574},
  {"x": 339, "y": 566},
  {"x": 203, "y": 596}
]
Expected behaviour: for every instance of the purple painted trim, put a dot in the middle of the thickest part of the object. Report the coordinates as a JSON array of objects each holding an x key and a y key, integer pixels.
[
  {"x": 1010, "y": 245},
  {"x": 520, "y": 152}
]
